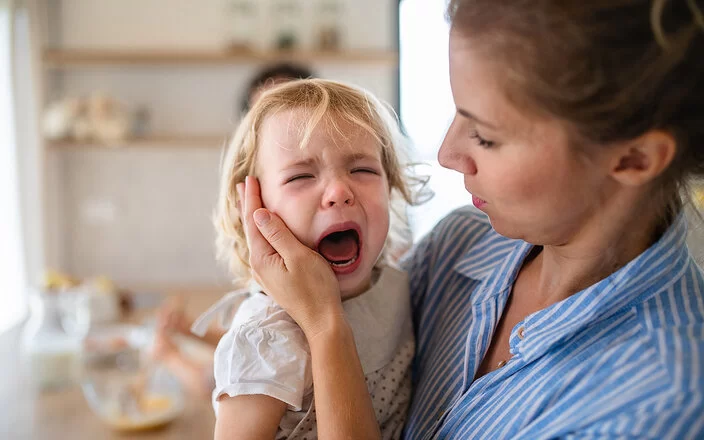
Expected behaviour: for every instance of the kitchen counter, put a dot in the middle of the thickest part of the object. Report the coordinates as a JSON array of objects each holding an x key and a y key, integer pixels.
[{"x": 64, "y": 414}]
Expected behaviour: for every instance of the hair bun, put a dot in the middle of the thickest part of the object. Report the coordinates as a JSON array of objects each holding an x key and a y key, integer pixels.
[{"x": 697, "y": 12}]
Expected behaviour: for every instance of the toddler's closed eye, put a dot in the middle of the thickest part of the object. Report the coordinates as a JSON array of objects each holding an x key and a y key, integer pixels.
[
  {"x": 299, "y": 177},
  {"x": 365, "y": 170}
]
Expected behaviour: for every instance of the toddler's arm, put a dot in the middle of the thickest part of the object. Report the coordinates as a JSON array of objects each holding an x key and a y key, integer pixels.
[
  {"x": 212, "y": 336},
  {"x": 172, "y": 317},
  {"x": 196, "y": 376},
  {"x": 248, "y": 417}
]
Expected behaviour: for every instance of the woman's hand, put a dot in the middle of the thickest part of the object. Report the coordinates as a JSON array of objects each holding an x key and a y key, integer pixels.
[
  {"x": 296, "y": 277},
  {"x": 302, "y": 282}
]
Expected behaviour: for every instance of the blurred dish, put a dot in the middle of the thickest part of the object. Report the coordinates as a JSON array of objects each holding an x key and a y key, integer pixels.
[
  {"x": 106, "y": 342},
  {"x": 159, "y": 404},
  {"x": 122, "y": 386}
]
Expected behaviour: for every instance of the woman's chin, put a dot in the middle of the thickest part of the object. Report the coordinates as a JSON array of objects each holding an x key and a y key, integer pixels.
[{"x": 506, "y": 229}]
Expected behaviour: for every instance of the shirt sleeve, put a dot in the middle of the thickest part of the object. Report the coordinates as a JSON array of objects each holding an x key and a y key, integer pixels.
[
  {"x": 416, "y": 264},
  {"x": 419, "y": 263},
  {"x": 265, "y": 355},
  {"x": 431, "y": 256}
]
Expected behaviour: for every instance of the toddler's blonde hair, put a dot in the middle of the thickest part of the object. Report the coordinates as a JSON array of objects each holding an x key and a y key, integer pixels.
[{"x": 332, "y": 103}]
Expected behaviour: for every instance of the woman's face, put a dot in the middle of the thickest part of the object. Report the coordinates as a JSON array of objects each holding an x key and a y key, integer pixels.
[{"x": 519, "y": 168}]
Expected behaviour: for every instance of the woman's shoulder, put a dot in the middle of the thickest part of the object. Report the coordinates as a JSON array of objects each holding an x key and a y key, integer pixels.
[
  {"x": 468, "y": 215},
  {"x": 460, "y": 222},
  {"x": 466, "y": 228},
  {"x": 672, "y": 320},
  {"x": 464, "y": 235}
]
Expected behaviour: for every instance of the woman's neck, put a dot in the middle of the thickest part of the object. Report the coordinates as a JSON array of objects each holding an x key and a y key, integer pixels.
[{"x": 604, "y": 244}]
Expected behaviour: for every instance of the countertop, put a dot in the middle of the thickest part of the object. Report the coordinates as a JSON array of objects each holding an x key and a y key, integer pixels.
[{"x": 64, "y": 413}]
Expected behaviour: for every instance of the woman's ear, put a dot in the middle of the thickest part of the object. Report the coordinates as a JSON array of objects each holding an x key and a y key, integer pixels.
[{"x": 642, "y": 160}]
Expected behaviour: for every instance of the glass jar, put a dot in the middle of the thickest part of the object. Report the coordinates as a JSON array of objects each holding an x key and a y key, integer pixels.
[
  {"x": 329, "y": 28},
  {"x": 52, "y": 355},
  {"x": 242, "y": 25},
  {"x": 287, "y": 16}
]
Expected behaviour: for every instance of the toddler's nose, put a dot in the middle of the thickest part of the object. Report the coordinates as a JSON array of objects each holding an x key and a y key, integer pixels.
[{"x": 338, "y": 193}]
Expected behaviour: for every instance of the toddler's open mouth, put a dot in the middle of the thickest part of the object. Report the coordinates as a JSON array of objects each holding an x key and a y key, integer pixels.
[{"x": 341, "y": 247}]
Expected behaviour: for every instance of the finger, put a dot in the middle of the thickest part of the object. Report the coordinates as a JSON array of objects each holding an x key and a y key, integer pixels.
[
  {"x": 259, "y": 247},
  {"x": 275, "y": 232}
]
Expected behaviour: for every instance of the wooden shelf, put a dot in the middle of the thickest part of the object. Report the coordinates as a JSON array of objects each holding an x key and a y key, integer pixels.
[
  {"x": 85, "y": 57},
  {"x": 157, "y": 141}
]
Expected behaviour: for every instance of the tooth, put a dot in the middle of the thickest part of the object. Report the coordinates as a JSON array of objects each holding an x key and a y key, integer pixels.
[{"x": 345, "y": 264}]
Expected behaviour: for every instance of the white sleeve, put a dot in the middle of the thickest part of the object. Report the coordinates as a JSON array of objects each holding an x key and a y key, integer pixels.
[{"x": 263, "y": 353}]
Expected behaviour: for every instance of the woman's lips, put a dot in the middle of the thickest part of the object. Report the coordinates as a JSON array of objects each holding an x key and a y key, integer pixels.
[{"x": 479, "y": 203}]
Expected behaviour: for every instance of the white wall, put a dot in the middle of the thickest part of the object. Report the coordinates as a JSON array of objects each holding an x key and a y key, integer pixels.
[{"x": 203, "y": 24}]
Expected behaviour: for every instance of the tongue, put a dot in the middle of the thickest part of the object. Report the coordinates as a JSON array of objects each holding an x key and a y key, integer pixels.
[{"x": 339, "y": 247}]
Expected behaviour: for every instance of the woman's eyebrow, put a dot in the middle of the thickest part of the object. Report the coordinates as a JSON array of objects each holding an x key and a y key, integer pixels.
[{"x": 468, "y": 115}]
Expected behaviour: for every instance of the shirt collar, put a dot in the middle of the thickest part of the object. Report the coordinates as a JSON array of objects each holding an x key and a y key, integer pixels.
[
  {"x": 655, "y": 269},
  {"x": 495, "y": 260}
]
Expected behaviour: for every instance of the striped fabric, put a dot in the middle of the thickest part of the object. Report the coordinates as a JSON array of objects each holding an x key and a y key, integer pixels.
[{"x": 621, "y": 359}]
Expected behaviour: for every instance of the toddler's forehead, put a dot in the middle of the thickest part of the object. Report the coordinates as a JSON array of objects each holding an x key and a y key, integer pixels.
[{"x": 292, "y": 127}]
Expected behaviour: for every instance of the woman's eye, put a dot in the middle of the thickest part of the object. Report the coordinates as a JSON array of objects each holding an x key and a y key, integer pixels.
[
  {"x": 299, "y": 177},
  {"x": 480, "y": 140}
]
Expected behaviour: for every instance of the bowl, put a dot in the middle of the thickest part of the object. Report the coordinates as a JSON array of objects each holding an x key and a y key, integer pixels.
[
  {"x": 103, "y": 344},
  {"x": 125, "y": 389}
]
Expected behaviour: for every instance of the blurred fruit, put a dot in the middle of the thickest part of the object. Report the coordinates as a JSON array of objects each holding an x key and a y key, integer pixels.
[{"x": 56, "y": 281}]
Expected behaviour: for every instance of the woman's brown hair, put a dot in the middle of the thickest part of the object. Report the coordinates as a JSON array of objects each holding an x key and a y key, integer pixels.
[{"x": 610, "y": 69}]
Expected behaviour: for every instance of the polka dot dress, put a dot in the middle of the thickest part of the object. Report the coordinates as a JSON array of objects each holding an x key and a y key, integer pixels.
[
  {"x": 381, "y": 324},
  {"x": 390, "y": 389}
]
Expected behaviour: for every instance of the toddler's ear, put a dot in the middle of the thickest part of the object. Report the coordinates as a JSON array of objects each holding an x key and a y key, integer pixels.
[{"x": 643, "y": 159}]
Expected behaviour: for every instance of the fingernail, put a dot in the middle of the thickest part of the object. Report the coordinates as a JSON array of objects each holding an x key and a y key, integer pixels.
[{"x": 261, "y": 217}]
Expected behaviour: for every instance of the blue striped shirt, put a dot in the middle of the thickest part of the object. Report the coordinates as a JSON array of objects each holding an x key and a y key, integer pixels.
[{"x": 623, "y": 358}]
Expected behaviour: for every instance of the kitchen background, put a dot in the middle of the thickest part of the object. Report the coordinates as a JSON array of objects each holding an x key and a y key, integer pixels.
[
  {"x": 133, "y": 203},
  {"x": 113, "y": 119},
  {"x": 139, "y": 211},
  {"x": 166, "y": 78}
]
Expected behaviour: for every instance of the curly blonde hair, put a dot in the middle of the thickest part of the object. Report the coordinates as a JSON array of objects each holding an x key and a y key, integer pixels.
[{"x": 333, "y": 103}]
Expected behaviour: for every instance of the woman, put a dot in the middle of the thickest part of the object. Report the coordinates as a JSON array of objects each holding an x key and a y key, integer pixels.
[{"x": 570, "y": 307}]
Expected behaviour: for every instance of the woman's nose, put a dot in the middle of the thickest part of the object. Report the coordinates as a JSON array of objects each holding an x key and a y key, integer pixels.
[
  {"x": 338, "y": 193},
  {"x": 454, "y": 153}
]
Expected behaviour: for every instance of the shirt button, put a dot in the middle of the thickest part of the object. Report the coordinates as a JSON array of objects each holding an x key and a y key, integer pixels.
[{"x": 522, "y": 332}]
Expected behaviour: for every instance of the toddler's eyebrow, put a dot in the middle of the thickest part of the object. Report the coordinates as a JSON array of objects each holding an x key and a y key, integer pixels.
[
  {"x": 301, "y": 163},
  {"x": 349, "y": 158},
  {"x": 356, "y": 157}
]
